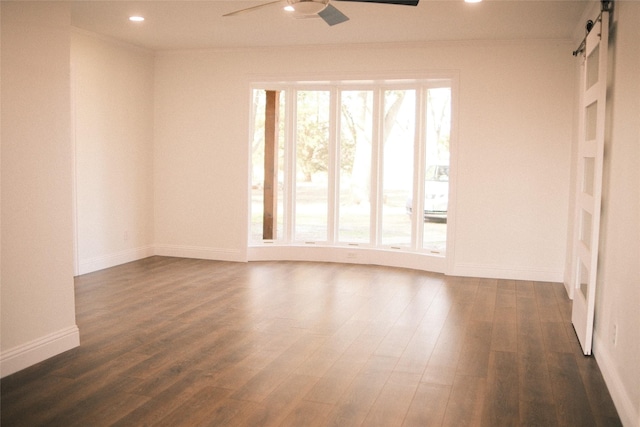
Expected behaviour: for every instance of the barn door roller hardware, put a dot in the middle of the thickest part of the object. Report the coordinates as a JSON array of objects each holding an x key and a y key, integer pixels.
[{"x": 605, "y": 6}]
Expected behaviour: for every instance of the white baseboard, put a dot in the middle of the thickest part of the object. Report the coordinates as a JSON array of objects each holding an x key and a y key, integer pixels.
[
  {"x": 40, "y": 349},
  {"x": 347, "y": 255},
  {"x": 111, "y": 260},
  {"x": 507, "y": 273},
  {"x": 626, "y": 409},
  {"x": 135, "y": 254},
  {"x": 199, "y": 252}
]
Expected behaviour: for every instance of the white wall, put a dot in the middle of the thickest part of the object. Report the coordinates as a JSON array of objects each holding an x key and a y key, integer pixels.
[
  {"x": 38, "y": 313},
  {"x": 618, "y": 293},
  {"x": 113, "y": 127},
  {"x": 515, "y": 130},
  {"x": 200, "y": 157}
]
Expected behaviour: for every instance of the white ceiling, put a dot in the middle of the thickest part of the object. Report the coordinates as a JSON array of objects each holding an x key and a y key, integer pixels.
[{"x": 200, "y": 24}]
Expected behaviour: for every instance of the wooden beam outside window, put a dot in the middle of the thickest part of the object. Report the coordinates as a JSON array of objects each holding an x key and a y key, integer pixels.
[{"x": 270, "y": 218}]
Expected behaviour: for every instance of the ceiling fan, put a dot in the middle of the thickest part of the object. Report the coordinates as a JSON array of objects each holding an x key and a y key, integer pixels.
[{"x": 322, "y": 8}]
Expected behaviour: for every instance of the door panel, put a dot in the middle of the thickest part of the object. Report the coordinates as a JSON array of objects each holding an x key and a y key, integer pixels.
[{"x": 589, "y": 183}]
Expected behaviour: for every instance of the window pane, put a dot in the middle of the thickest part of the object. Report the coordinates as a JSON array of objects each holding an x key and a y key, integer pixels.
[
  {"x": 397, "y": 166},
  {"x": 312, "y": 154},
  {"x": 354, "y": 158},
  {"x": 588, "y": 179},
  {"x": 436, "y": 180},
  {"x": 585, "y": 228},
  {"x": 257, "y": 165},
  {"x": 583, "y": 280},
  {"x": 591, "y": 121},
  {"x": 592, "y": 67},
  {"x": 281, "y": 167}
]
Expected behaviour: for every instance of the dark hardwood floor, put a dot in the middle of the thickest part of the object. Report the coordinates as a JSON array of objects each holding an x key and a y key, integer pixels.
[{"x": 181, "y": 342}]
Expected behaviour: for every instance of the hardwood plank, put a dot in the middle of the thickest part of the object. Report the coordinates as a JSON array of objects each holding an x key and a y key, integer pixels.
[
  {"x": 428, "y": 405},
  {"x": 600, "y": 400},
  {"x": 506, "y": 285},
  {"x": 534, "y": 380},
  {"x": 279, "y": 402},
  {"x": 548, "y": 309},
  {"x": 427, "y": 290},
  {"x": 168, "y": 399},
  {"x": 530, "y": 339},
  {"x": 485, "y": 302},
  {"x": 20, "y": 382},
  {"x": 474, "y": 355},
  {"x": 108, "y": 414},
  {"x": 564, "y": 303},
  {"x": 270, "y": 377},
  {"x": 416, "y": 354},
  {"x": 537, "y": 413},
  {"x": 89, "y": 399},
  {"x": 25, "y": 402},
  {"x": 356, "y": 402},
  {"x": 524, "y": 288},
  {"x": 504, "y": 336},
  {"x": 466, "y": 401},
  {"x": 203, "y": 406},
  {"x": 418, "y": 351},
  {"x": 247, "y": 365},
  {"x": 555, "y": 338},
  {"x": 572, "y": 403},
  {"x": 501, "y": 403},
  {"x": 443, "y": 362},
  {"x": 392, "y": 404},
  {"x": 337, "y": 379},
  {"x": 308, "y": 414},
  {"x": 395, "y": 342},
  {"x": 505, "y": 303}
]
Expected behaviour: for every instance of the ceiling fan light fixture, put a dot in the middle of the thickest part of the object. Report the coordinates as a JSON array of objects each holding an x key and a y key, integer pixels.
[{"x": 306, "y": 7}]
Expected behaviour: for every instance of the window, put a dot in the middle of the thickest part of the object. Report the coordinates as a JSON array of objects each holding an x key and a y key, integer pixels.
[{"x": 358, "y": 164}]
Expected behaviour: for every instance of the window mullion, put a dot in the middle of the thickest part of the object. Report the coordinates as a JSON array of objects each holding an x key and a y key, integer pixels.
[
  {"x": 419, "y": 170},
  {"x": 333, "y": 166},
  {"x": 376, "y": 167},
  {"x": 290, "y": 162}
]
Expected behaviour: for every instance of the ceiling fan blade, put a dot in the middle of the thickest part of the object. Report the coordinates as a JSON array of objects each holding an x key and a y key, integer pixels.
[
  {"x": 399, "y": 2},
  {"x": 252, "y": 8},
  {"x": 332, "y": 16}
]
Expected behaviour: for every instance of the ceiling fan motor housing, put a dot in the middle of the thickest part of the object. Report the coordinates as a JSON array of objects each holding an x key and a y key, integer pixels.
[{"x": 308, "y": 7}]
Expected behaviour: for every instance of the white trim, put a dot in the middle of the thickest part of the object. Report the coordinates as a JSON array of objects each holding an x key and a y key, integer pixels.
[
  {"x": 112, "y": 40},
  {"x": 373, "y": 253},
  {"x": 110, "y": 260},
  {"x": 420, "y": 44},
  {"x": 453, "y": 175},
  {"x": 348, "y": 255},
  {"x": 74, "y": 165},
  {"x": 507, "y": 272},
  {"x": 25, "y": 355},
  {"x": 200, "y": 252},
  {"x": 621, "y": 399}
]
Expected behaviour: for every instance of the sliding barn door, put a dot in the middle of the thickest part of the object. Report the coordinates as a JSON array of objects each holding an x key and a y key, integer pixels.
[{"x": 589, "y": 182}]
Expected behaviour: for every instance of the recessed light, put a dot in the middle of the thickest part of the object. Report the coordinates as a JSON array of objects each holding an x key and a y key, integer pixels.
[
  {"x": 472, "y": 1},
  {"x": 136, "y": 18},
  {"x": 289, "y": 8}
]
